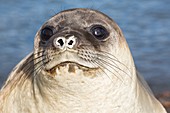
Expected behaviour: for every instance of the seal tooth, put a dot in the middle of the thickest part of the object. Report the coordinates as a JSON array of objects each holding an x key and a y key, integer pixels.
[{"x": 57, "y": 71}]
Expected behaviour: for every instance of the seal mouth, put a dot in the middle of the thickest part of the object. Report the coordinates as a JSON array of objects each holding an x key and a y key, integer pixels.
[
  {"x": 71, "y": 63},
  {"x": 71, "y": 66}
]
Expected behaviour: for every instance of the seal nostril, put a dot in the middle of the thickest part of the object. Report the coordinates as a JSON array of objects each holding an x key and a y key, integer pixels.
[
  {"x": 60, "y": 41},
  {"x": 70, "y": 43}
]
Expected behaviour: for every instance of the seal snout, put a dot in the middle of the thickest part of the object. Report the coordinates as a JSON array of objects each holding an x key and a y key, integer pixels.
[{"x": 65, "y": 42}]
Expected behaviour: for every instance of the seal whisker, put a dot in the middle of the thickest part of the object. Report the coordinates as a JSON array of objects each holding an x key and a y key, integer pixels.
[
  {"x": 41, "y": 65},
  {"x": 112, "y": 65},
  {"x": 30, "y": 70},
  {"x": 114, "y": 60},
  {"x": 42, "y": 51},
  {"x": 26, "y": 68},
  {"x": 105, "y": 52},
  {"x": 109, "y": 55},
  {"x": 32, "y": 61},
  {"x": 101, "y": 66},
  {"x": 97, "y": 56}
]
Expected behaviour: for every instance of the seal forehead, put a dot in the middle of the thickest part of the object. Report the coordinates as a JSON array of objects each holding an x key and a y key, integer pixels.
[
  {"x": 81, "y": 17},
  {"x": 82, "y": 13}
]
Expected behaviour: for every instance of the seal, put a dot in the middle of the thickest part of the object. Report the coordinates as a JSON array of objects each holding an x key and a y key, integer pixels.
[{"x": 81, "y": 63}]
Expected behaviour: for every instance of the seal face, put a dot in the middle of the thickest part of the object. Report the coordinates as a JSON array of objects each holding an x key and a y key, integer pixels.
[
  {"x": 82, "y": 40},
  {"x": 81, "y": 63}
]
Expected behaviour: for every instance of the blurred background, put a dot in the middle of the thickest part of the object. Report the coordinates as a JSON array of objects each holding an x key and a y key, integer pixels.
[{"x": 145, "y": 24}]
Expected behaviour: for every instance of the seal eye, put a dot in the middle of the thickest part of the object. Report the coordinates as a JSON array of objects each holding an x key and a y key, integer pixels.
[
  {"x": 99, "y": 32},
  {"x": 46, "y": 33}
]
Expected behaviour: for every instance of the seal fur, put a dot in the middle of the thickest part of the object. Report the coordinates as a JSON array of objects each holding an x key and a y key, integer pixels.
[{"x": 74, "y": 72}]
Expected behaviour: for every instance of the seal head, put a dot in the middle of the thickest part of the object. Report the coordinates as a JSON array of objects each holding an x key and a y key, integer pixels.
[{"x": 79, "y": 36}]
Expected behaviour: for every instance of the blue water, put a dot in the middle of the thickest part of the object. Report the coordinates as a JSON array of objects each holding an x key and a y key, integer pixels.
[{"x": 145, "y": 24}]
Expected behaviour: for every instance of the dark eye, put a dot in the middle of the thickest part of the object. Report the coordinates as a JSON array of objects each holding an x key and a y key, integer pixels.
[
  {"x": 46, "y": 33},
  {"x": 99, "y": 32}
]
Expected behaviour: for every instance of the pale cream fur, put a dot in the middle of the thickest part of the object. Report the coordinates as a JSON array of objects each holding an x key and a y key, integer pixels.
[
  {"x": 76, "y": 93},
  {"x": 106, "y": 91}
]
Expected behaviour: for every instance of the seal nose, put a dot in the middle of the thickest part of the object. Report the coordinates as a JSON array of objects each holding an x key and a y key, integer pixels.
[{"x": 65, "y": 42}]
